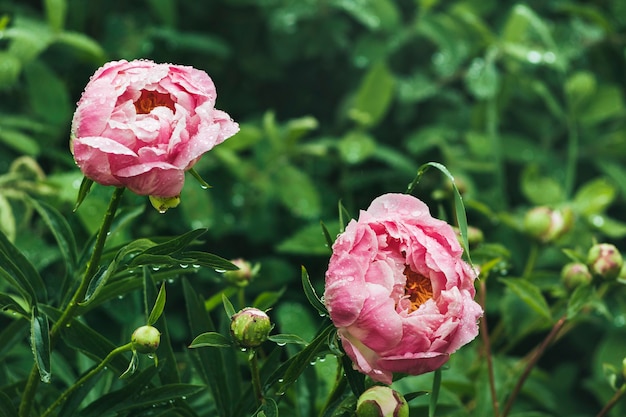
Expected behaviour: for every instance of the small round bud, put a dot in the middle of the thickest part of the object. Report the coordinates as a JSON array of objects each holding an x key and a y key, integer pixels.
[
  {"x": 146, "y": 339},
  {"x": 250, "y": 327},
  {"x": 244, "y": 275},
  {"x": 162, "y": 204},
  {"x": 381, "y": 401},
  {"x": 605, "y": 261},
  {"x": 474, "y": 236},
  {"x": 546, "y": 224},
  {"x": 575, "y": 274}
]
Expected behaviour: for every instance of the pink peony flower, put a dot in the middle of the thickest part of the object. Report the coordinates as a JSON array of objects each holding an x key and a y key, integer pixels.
[
  {"x": 397, "y": 290},
  {"x": 141, "y": 125}
]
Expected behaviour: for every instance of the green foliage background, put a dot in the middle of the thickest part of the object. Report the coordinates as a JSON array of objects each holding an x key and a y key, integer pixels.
[{"x": 344, "y": 100}]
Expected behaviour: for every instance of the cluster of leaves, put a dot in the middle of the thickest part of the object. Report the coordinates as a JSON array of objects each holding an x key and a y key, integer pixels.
[{"x": 337, "y": 100}]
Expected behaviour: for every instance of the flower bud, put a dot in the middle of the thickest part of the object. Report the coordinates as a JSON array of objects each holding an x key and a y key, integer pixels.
[
  {"x": 250, "y": 327},
  {"x": 244, "y": 275},
  {"x": 546, "y": 224},
  {"x": 162, "y": 204},
  {"x": 381, "y": 401},
  {"x": 146, "y": 339},
  {"x": 474, "y": 236},
  {"x": 575, "y": 274},
  {"x": 605, "y": 261}
]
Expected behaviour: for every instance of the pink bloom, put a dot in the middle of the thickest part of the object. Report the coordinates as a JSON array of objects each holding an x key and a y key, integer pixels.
[
  {"x": 141, "y": 125},
  {"x": 397, "y": 290}
]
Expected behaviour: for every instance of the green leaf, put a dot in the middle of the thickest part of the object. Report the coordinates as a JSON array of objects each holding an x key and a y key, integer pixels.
[
  {"x": 19, "y": 141},
  {"x": 159, "y": 395},
  {"x": 40, "y": 343},
  {"x": 582, "y": 296},
  {"x": 48, "y": 96},
  {"x": 539, "y": 189},
  {"x": 9, "y": 303},
  {"x": 159, "y": 305},
  {"x": 344, "y": 217},
  {"x": 373, "y": 98},
  {"x": 267, "y": 299},
  {"x": 7, "y": 219},
  {"x": 7, "y": 409},
  {"x": 203, "y": 183},
  {"x": 228, "y": 306},
  {"x": 55, "y": 12},
  {"x": 356, "y": 146},
  {"x": 85, "y": 186},
  {"x": 210, "y": 339},
  {"x": 595, "y": 196},
  {"x": 12, "y": 334},
  {"x": 311, "y": 295},
  {"x": 83, "y": 45},
  {"x": 269, "y": 408},
  {"x": 208, "y": 260},
  {"x": 283, "y": 339},
  {"x": 356, "y": 379},
  {"x": 61, "y": 230},
  {"x": 606, "y": 103},
  {"x": 329, "y": 239},
  {"x": 482, "y": 78},
  {"x": 176, "y": 244},
  {"x": 10, "y": 70},
  {"x": 132, "y": 366},
  {"x": 309, "y": 240},
  {"x": 297, "y": 192},
  {"x": 530, "y": 294},
  {"x": 20, "y": 273}
]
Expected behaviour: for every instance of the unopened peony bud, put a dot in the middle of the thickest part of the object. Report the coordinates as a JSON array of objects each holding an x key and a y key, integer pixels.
[
  {"x": 244, "y": 275},
  {"x": 162, "y": 204},
  {"x": 146, "y": 339},
  {"x": 575, "y": 274},
  {"x": 605, "y": 261},
  {"x": 546, "y": 224},
  {"x": 381, "y": 401},
  {"x": 250, "y": 327}
]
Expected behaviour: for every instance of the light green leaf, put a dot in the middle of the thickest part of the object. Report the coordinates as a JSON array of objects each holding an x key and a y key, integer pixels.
[
  {"x": 530, "y": 294},
  {"x": 269, "y": 408},
  {"x": 48, "y": 96},
  {"x": 19, "y": 141},
  {"x": 210, "y": 339},
  {"x": 159, "y": 305},
  {"x": 267, "y": 299},
  {"x": 539, "y": 189},
  {"x": 595, "y": 196},
  {"x": 55, "y": 12},
  {"x": 83, "y": 45},
  {"x": 228, "y": 306},
  {"x": 297, "y": 192},
  {"x": 7, "y": 219},
  {"x": 356, "y": 146},
  {"x": 10, "y": 68},
  {"x": 310, "y": 240},
  {"x": 311, "y": 295},
  {"x": 282, "y": 339},
  {"x": 132, "y": 366},
  {"x": 606, "y": 103},
  {"x": 482, "y": 78},
  {"x": 373, "y": 98}
]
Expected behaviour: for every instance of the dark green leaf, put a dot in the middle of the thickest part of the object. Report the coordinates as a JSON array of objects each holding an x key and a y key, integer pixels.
[
  {"x": 267, "y": 299},
  {"x": 19, "y": 272},
  {"x": 160, "y": 395},
  {"x": 85, "y": 186},
  {"x": 311, "y": 295},
  {"x": 268, "y": 409},
  {"x": 374, "y": 95},
  {"x": 283, "y": 339},
  {"x": 159, "y": 305},
  {"x": 581, "y": 297},
  {"x": 344, "y": 217},
  {"x": 7, "y": 409},
  {"x": 8, "y": 303},
  {"x": 356, "y": 380},
  {"x": 210, "y": 339},
  {"x": 329, "y": 239},
  {"x": 198, "y": 178},
  {"x": 530, "y": 294},
  {"x": 12, "y": 334},
  {"x": 60, "y": 229},
  {"x": 49, "y": 98},
  {"x": 40, "y": 343},
  {"x": 207, "y": 260},
  {"x": 82, "y": 44},
  {"x": 176, "y": 244}
]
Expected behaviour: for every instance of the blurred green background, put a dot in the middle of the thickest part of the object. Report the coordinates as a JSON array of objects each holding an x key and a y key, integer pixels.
[{"x": 344, "y": 100}]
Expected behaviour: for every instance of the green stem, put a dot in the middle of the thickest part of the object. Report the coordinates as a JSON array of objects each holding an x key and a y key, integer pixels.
[
  {"x": 256, "y": 378},
  {"x": 614, "y": 400},
  {"x": 572, "y": 153},
  {"x": 70, "y": 309},
  {"x": 127, "y": 347},
  {"x": 532, "y": 362},
  {"x": 484, "y": 332}
]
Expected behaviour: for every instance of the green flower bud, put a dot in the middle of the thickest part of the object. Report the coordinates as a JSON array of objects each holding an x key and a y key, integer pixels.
[
  {"x": 575, "y": 274},
  {"x": 546, "y": 225},
  {"x": 250, "y": 327},
  {"x": 146, "y": 339},
  {"x": 244, "y": 275},
  {"x": 162, "y": 204},
  {"x": 381, "y": 401},
  {"x": 605, "y": 261}
]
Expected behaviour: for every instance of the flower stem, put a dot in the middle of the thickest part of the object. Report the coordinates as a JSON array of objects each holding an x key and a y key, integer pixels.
[
  {"x": 532, "y": 260},
  {"x": 127, "y": 347},
  {"x": 70, "y": 309},
  {"x": 532, "y": 362},
  {"x": 256, "y": 378},
  {"x": 614, "y": 400},
  {"x": 484, "y": 333}
]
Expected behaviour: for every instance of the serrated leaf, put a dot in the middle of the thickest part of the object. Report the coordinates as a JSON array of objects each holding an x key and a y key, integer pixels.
[
  {"x": 40, "y": 343},
  {"x": 159, "y": 305},
  {"x": 530, "y": 294},
  {"x": 210, "y": 339},
  {"x": 311, "y": 295},
  {"x": 282, "y": 339}
]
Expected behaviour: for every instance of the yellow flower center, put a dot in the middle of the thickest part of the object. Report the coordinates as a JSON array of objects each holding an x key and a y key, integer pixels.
[
  {"x": 418, "y": 288},
  {"x": 151, "y": 99}
]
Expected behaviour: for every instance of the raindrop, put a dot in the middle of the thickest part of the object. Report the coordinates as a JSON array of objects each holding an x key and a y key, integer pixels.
[
  {"x": 120, "y": 297},
  {"x": 322, "y": 359},
  {"x": 533, "y": 57},
  {"x": 184, "y": 266},
  {"x": 171, "y": 281},
  {"x": 162, "y": 211},
  {"x": 281, "y": 380},
  {"x": 597, "y": 221},
  {"x": 281, "y": 343},
  {"x": 184, "y": 397},
  {"x": 150, "y": 356},
  {"x": 156, "y": 268},
  {"x": 196, "y": 266},
  {"x": 204, "y": 186},
  {"x": 243, "y": 349},
  {"x": 549, "y": 57},
  {"x": 220, "y": 271}
]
